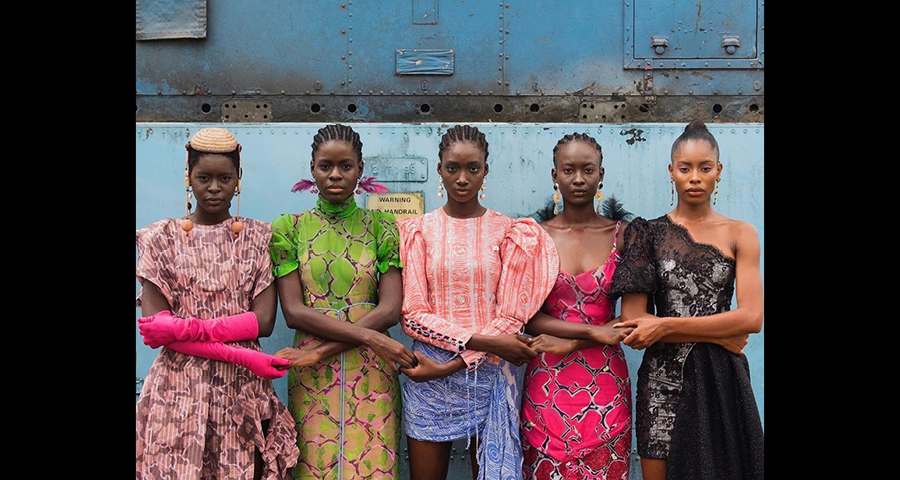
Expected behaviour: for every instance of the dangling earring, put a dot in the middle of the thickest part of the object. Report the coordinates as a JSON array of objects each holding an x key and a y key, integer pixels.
[
  {"x": 599, "y": 196},
  {"x": 716, "y": 191},
  {"x": 237, "y": 225},
  {"x": 441, "y": 189},
  {"x": 187, "y": 225},
  {"x": 672, "y": 191},
  {"x": 358, "y": 189},
  {"x": 555, "y": 198},
  {"x": 483, "y": 188}
]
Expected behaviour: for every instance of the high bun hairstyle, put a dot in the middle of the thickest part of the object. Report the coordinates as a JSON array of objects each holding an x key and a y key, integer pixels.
[
  {"x": 581, "y": 137},
  {"x": 338, "y": 132},
  {"x": 696, "y": 130},
  {"x": 463, "y": 133}
]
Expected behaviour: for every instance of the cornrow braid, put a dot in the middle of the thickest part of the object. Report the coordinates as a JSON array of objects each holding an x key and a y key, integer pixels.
[
  {"x": 696, "y": 130},
  {"x": 463, "y": 133},
  {"x": 581, "y": 137},
  {"x": 337, "y": 132}
]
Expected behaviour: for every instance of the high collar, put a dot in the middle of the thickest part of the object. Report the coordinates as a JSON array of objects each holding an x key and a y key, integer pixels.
[{"x": 336, "y": 210}]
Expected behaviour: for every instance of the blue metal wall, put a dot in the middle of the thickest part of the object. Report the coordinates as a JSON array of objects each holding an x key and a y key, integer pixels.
[
  {"x": 294, "y": 54},
  {"x": 635, "y": 157}
]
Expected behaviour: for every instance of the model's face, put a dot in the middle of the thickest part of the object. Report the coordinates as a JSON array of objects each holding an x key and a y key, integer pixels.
[
  {"x": 462, "y": 170},
  {"x": 577, "y": 171},
  {"x": 336, "y": 169},
  {"x": 214, "y": 180},
  {"x": 694, "y": 169}
]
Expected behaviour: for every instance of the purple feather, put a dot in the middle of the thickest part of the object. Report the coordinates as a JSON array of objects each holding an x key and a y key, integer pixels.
[
  {"x": 368, "y": 184},
  {"x": 303, "y": 185}
]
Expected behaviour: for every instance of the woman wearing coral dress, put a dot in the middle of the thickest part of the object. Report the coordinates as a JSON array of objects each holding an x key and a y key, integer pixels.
[
  {"x": 472, "y": 278},
  {"x": 576, "y": 400},
  {"x": 696, "y": 416},
  {"x": 204, "y": 411},
  {"x": 340, "y": 287}
]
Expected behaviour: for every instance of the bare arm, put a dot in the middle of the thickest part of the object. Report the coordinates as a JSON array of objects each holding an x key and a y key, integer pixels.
[
  {"x": 152, "y": 300},
  {"x": 367, "y": 330},
  {"x": 380, "y": 318},
  {"x": 263, "y": 306},
  {"x": 300, "y": 317}
]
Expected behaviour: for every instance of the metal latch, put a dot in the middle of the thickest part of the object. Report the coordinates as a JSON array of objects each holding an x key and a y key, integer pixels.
[
  {"x": 731, "y": 44},
  {"x": 659, "y": 44}
]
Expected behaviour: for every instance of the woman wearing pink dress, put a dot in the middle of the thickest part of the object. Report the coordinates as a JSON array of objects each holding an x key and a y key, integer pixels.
[{"x": 576, "y": 401}]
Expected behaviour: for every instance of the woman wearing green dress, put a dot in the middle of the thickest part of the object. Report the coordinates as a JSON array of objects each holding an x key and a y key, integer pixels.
[{"x": 337, "y": 270}]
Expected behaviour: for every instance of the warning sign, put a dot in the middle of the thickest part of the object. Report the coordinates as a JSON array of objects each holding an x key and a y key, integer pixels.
[{"x": 402, "y": 205}]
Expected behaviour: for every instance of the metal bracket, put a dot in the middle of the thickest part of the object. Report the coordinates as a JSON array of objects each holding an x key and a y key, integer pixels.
[
  {"x": 731, "y": 44},
  {"x": 659, "y": 44}
]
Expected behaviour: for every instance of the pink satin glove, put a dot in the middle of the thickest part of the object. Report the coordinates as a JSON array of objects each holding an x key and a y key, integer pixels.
[
  {"x": 262, "y": 364},
  {"x": 163, "y": 328}
]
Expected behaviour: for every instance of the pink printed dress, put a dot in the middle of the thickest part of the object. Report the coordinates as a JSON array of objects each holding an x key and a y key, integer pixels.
[
  {"x": 198, "y": 418},
  {"x": 576, "y": 409}
]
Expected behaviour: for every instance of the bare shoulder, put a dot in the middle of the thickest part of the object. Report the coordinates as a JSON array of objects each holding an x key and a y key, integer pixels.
[{"x": 743, "y": 235}]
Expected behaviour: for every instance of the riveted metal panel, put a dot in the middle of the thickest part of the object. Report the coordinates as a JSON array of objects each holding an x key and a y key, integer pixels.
[{"x": 713, "y": 34}]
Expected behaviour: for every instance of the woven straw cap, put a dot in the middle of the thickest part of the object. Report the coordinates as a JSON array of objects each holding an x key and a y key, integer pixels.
[{"x": 213, "y": 140}]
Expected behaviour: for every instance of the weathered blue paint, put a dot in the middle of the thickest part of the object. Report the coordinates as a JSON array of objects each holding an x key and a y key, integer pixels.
[
  {"x": 275, "y": 156},
  {"x": 167, "y": 19},
  {"x": 424, "y": 62},
  {"x": 537, "y": 46},
  {"x": 425, "y": 12},
  {"x": 695, "y": 34}
]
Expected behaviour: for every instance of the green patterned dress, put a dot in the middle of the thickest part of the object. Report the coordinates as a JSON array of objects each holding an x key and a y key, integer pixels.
[{"x": 347, "y": 407}]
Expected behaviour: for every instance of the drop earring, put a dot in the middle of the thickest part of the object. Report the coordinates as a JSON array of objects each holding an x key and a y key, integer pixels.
[
  {"x": 599, "y": 196},
  {"x": 555, "y": 198}
]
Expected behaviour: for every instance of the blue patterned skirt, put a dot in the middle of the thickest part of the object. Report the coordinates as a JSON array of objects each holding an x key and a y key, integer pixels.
[{"x": 483, "y": 403}]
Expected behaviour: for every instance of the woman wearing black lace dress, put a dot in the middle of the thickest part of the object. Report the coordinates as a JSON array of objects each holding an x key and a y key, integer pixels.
[{"x": 696, "y": 416}]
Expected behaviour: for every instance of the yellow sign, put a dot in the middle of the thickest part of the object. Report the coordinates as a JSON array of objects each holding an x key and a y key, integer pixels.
[{"x": 402, "y": 205}]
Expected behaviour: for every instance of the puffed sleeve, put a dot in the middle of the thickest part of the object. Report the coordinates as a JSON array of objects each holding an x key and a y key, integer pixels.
[
  {"x": 387, "y": 242},
  {"x": 417, "y": 317},
  {"x": 529, "y": 267},
  {"x": 284, "y": 248},
  {"x": 156, "y": 258},
  {"x": 636, "y": 272}
]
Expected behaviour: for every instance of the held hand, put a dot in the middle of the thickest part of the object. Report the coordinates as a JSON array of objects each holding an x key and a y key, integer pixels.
[
  {"x": 608, "y": 334},
  {"x": 647, "y": 331},
  {"x": 512, "y": 348},
  {"x": 734, "y": 344},
  {"x": 544, "y": 343},
  {"x": 391, "y": 351},
  {"x": 299, "y": 358},
  {"x": 426, "y": 369},
  {"x": 264, "y": 365}
]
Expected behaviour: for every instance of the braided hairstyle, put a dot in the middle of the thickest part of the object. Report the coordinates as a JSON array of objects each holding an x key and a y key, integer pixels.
[
  {"x": 581, "y": 137},
  {"x": 194, "y": 157},
  {"x": 463, "y": 133},
  {"x": 696, "y": 130},
  {"x": 337, "y": 132}
]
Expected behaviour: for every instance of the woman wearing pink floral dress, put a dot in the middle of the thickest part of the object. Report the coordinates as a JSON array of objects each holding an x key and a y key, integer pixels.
[{"x": 576, "y": 401}]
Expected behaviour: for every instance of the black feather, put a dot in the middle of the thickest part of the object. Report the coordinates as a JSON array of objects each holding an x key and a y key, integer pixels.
[
  {"x": 542, "y": 214},
  {"x": 611, "y": 208}
]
